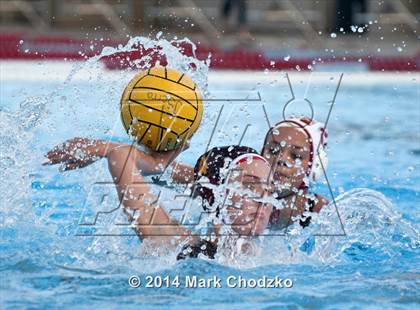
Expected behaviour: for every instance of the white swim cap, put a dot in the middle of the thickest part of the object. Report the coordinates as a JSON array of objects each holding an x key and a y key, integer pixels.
[
  {"x": 248, "y": 157},
  {"x": 317, "y": 134}
]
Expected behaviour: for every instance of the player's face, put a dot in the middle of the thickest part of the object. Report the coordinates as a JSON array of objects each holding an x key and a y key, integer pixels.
[
  {"x": 248, "y": 185},
  {"x": 288, "y": 152}
]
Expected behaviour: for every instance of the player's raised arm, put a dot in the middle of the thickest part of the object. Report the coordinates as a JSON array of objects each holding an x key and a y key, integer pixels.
[
  {"x": 156, "y": 162},
  {"x": 152, "y": 221},
  {"x": 182, "y": 173},
  {"x": 78, "y": 153}
]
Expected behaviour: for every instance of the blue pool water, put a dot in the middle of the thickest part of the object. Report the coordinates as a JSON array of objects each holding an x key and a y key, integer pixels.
[{"x": 371, "y": 260}]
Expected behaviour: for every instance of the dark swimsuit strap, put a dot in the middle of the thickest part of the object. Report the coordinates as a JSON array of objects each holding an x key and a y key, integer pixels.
[{"x": 306, "y": 220}]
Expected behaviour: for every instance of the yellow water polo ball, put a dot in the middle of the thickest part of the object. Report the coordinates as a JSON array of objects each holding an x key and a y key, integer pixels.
[{"x": 161, "y": 108}]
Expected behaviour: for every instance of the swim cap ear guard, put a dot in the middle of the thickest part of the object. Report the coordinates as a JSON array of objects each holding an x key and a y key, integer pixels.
[
  {"x": 319, "y": 165},
  {"x": 318, "y": 136}
]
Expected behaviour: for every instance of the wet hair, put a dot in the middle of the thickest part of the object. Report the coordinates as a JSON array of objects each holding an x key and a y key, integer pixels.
[{"x": 211, "y": 166}]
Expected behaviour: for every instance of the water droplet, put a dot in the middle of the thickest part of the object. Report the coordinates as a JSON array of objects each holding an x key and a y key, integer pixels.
[
  {"x": 286, "y": 58},
  {"x": 333, "y": 35}
]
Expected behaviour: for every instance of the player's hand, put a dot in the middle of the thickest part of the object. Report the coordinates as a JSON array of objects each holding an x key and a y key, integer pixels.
[{"x": 74, "y": 153}]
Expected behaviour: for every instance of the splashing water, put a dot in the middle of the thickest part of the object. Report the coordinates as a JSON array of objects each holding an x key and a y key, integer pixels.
[
  {"x": 362, "y": 238},
  {"x": 37, "y": 115}
]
